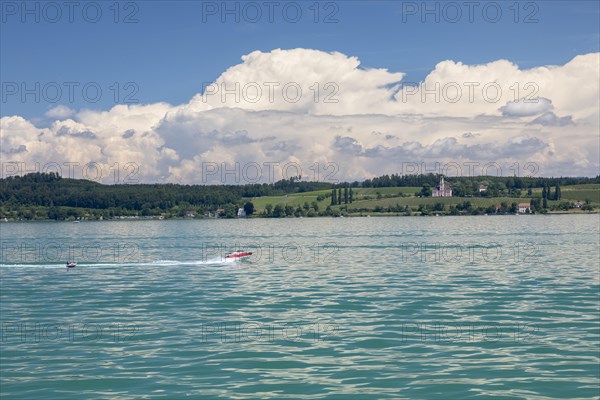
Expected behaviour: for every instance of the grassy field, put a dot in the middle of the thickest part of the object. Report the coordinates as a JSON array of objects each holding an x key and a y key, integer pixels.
[
  {"x": 367, "y": 198},
  {"x": 575, "y": 193},
  {"x": 298, "y": 199},
  {"x": 581, "y": 193},
  {"x": 362, "y": 192}
]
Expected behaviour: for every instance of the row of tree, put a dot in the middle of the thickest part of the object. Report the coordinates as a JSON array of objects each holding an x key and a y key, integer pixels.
[
  {"x": 471, "y": 183},
  {"x": 336, "y": 196}
]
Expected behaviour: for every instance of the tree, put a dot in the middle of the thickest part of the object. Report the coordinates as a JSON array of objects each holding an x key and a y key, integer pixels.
[
  {"x": 333, "y": 197},
  {"x": 350, "y": 196},
  {"x": 230, "y": 211},
  {"x": 249, "y": 208},
  {"x": 289, "y": 210},
  {"x": 557, "y": 194},
  {"x": 544, "y": 193},
  {"x": 315, "y": 205},
  {"x": 346, "y": 195},
  {"x": 269, "y": 209},
  {"x": 339, "y": 199},
  {"x": 503, "y": 207},
  {"x": 426, "y": 190},
  {"x": 278, "y": 211},
  {"x": 545, "y": 202}
]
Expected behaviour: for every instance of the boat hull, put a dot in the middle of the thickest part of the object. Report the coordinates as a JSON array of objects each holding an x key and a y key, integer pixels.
[{"x": 238, "y": 255}]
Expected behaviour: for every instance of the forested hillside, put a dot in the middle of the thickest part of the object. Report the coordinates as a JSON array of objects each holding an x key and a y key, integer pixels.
[{"x": 49, "y": 196}]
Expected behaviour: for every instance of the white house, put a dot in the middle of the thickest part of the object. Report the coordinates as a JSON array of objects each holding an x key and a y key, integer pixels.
[
  {"x": 482, "y": 188},
  {"x": 524, "y": 208}
]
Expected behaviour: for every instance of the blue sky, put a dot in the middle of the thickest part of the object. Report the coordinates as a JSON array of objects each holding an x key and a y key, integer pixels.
[
  {"x": 505, "y": 83},
  {"x": 171, "y": 51}
]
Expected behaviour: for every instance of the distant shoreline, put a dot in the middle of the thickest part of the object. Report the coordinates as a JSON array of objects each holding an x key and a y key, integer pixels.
[
  {"x": 38, "y": 196},
  {"x": 373, "y": 215}
]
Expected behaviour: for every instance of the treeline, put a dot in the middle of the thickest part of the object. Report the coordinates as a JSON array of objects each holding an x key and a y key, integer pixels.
[
  {"x": 472, "y": 183},
  {"x": 49, "y": 196},
  {"x": 51, "y": 190}
]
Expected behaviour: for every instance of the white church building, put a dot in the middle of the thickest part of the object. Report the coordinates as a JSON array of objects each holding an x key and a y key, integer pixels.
[{"x": 443, "y": 190}]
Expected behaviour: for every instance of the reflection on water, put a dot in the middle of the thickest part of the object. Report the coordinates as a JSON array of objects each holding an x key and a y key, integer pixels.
[{"x": 453, "y": 307}]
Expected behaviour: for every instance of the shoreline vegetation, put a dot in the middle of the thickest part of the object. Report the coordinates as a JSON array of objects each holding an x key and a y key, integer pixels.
[{"x": 40, "y": 196}]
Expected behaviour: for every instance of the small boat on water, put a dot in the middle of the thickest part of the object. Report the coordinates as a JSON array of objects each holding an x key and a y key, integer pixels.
[
  {"x": 238, "y": 255},
  {"x": 71, "y": 264}
]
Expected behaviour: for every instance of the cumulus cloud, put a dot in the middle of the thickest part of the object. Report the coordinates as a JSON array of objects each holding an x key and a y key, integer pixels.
[
  {"x": 551, "y": 119},
  {"x": 60, "y": 112},
  {"x": 15, "y": 150},
  {"x": 525, "y": 108},
  {"x": 349, "y": 121},
  {"x": 65, "y": 130},
  {"x": 301, "y": 80},
  {"x": 454, "y": 88},
  {"x": 348, "y": 145}
]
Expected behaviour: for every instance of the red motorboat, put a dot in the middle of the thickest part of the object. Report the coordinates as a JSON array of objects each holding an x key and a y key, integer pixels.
[
  {"x": 71, "y": 264},
  {"x": 238, "y": 255}
]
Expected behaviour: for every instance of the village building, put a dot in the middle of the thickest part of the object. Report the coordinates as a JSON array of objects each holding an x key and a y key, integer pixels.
[
  {"x": 524, "y": 208},
  {"x": 443, "y": 190}
]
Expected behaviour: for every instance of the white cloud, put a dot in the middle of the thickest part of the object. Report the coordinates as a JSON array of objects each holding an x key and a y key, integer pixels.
[
  {"x": 59, "y": 112},
  {"x": 302, "y": 80},
  {"x": 524, "y": 108},
  {"x": 551, "y": 119},
  {"x": 374, "y": 127}
]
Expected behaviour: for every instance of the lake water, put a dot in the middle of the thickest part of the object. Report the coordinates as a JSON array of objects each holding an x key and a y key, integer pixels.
[{"x": 354, "y": 308}]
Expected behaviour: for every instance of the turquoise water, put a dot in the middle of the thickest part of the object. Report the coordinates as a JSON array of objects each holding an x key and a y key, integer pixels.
[{"x": 354, "y": 308}]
